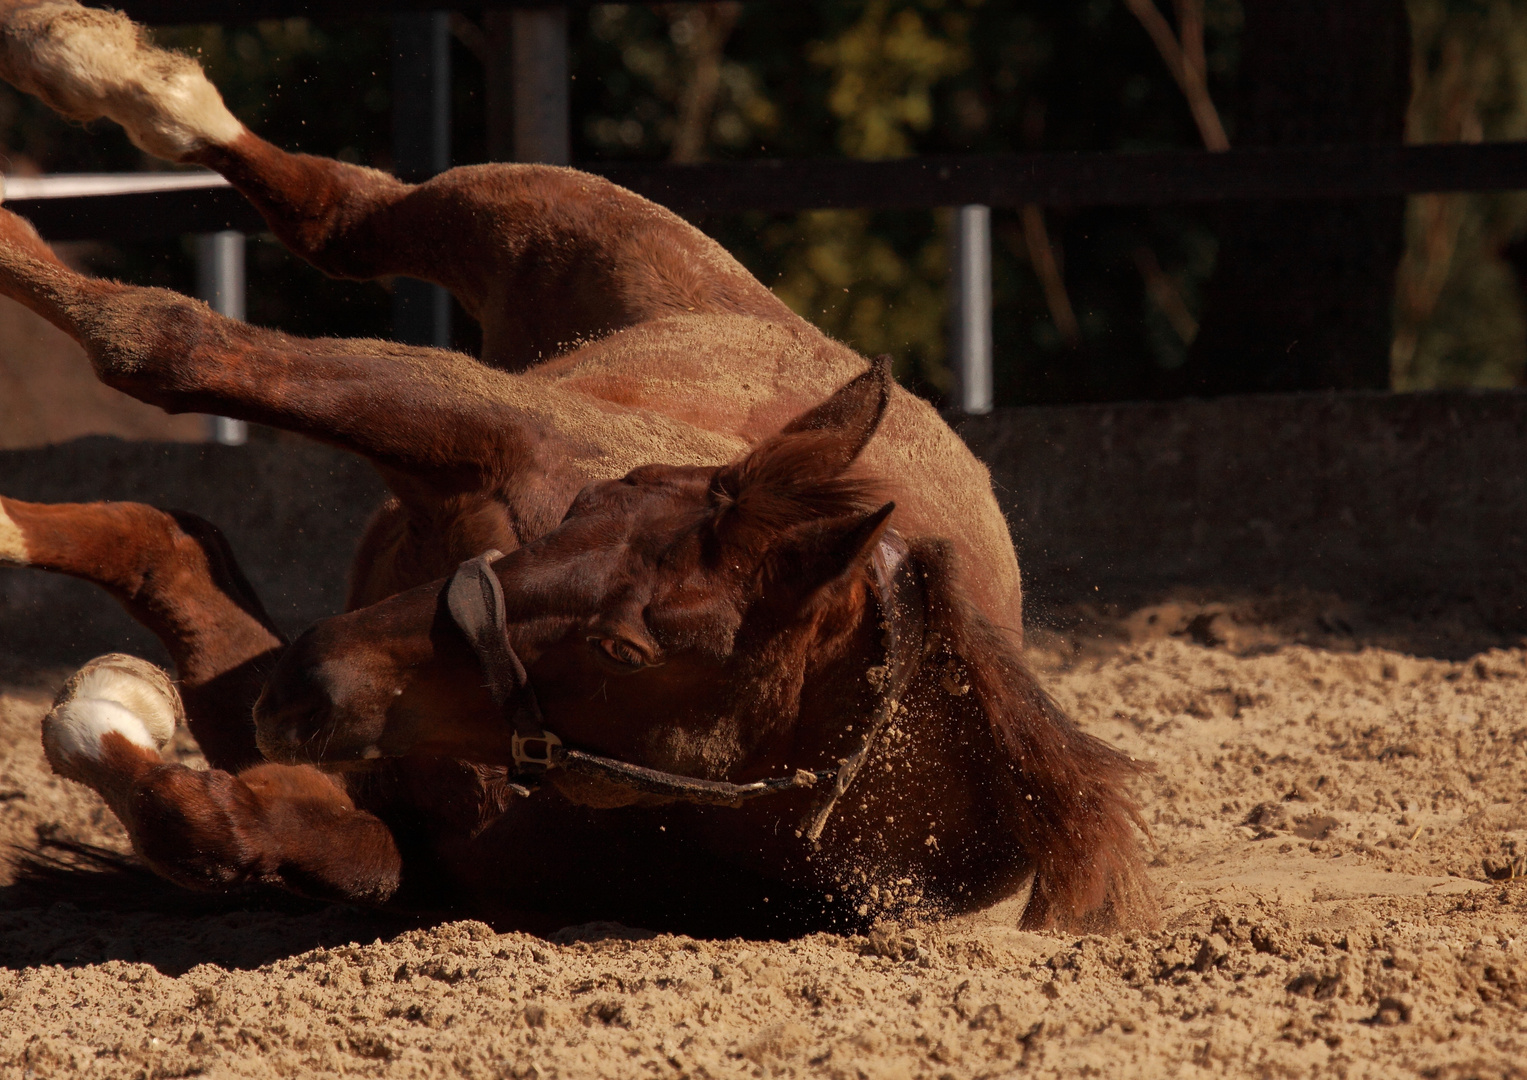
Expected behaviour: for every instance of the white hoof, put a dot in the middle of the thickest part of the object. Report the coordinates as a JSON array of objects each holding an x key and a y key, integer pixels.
[
  {"x": 115, "y": 693},
  {"x": 86, "y": 63}
]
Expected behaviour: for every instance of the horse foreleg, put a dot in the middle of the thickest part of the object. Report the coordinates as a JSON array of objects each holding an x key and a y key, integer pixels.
[
  {"x": 288, "y": 826},
  {"x": 436, "y": 418},
  {"x": 175, "y": 574}
]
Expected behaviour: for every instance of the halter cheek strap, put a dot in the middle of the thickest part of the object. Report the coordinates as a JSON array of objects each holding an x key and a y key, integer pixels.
[{"x": 476, "y": 602}]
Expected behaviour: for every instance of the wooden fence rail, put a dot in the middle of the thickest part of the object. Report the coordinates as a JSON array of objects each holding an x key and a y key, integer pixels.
[
  {"x": 1077, "y": 180},
  {"x": 1053, "y": 180},
  {"x": 528, "y": 64}
]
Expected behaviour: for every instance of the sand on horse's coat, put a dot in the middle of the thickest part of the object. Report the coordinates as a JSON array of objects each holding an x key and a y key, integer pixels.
[
  {"x": 1339, "y": 841},
  {"x": 88, "y": 63}
]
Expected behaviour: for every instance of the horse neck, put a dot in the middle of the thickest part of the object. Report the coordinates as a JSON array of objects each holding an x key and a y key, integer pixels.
[
  {"x": 841, "y": 687},
  {"x": 928, "y": 805}
]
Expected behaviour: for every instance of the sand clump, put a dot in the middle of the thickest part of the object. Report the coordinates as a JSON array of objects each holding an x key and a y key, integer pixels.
[{"x": 1339, "y": 840}]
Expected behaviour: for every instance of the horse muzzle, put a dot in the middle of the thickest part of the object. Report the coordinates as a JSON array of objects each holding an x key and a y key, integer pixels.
[{"x": 326, "y": 707}]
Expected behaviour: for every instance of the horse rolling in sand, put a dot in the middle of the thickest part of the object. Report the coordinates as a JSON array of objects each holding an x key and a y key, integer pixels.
[{"x": 770, "y": 684}]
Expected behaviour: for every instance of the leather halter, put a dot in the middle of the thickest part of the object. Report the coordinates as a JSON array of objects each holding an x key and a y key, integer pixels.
[{"x": 476, "y": 603}]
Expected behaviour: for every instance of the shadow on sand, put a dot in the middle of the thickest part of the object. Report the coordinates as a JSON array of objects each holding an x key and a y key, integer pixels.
[{"x": 73, "y": 904}]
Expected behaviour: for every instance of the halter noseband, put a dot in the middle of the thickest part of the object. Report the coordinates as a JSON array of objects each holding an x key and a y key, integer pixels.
[{"x": 476, "y": 603}]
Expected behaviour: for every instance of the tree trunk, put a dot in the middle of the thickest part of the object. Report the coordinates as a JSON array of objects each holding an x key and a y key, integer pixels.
[{"x": 1302, "y": 292}]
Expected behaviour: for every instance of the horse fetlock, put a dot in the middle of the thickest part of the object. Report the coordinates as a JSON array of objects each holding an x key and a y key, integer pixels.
[
  {"x": 87, "y": 63},
  {"x": 111, "y": 695}
]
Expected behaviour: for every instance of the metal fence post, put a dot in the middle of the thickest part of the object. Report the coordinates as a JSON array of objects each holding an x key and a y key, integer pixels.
[
  {"x": 421, "y": 147},
  {"x": 970, "y": 308},
  {"x": 220, "y": 282}
]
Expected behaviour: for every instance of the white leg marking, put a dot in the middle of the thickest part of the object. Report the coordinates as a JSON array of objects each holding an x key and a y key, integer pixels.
[
  {"x": 137, "y": 686},
  {"x": 13, "y": 545},
  {"x": 111, "y": 693},
  {"x": 74, "y": 730},
  {"x": 85, "y": 63}
]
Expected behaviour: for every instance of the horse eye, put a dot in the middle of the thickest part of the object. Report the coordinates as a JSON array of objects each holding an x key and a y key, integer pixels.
[{"x": 622, "y": 652}]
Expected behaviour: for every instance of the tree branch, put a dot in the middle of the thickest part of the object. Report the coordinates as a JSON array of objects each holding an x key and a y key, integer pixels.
[{"x": 1185, "y": 60}]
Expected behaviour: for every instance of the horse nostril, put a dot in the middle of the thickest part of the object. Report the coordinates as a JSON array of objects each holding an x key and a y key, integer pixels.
[{"x": 294, "y": 709}]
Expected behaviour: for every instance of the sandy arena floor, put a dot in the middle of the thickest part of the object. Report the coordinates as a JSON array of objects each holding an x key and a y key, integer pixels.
[{"x": 1340, "y": 839}]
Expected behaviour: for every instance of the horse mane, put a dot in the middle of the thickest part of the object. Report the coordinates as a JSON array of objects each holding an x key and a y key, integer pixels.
[
  {"x": 1063, "y": 793},
  {"x": 1066, "y": 798}
]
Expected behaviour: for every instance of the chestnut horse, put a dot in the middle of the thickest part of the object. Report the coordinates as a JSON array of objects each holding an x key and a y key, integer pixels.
[{"x": 813, "y": 598}]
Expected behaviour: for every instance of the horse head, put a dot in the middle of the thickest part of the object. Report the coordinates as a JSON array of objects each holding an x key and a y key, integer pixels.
[{"x": 671, "y": 620}]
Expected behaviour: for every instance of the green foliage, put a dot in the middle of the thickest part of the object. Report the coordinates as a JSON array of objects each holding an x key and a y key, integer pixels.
[
  {"x": 1459, "y": 318},
  {"x": 633, "y": 66},
  {"x": 886, "y": 78},
  {"x": 836, "y": 269},
  {"x": 884, "y": 68}
]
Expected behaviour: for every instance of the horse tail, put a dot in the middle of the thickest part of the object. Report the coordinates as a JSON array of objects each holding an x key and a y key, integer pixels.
[{"x": 1065, "y": 793}]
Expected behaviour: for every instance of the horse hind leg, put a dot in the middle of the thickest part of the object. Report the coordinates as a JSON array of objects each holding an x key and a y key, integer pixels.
[
  {"x": 87, "y": 63},
  {"x": 175, "y": 574},
  {"x": 290, "y": 827},
  {"x": 542, "y": 257},
  {"x": 347, "y": 220}
]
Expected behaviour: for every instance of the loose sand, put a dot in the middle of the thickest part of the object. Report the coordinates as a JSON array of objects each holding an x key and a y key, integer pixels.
[{"x": 1339, "y": 838}]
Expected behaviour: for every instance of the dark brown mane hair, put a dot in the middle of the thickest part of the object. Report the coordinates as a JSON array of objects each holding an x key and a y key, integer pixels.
[{"x": 1065, "y": 798}]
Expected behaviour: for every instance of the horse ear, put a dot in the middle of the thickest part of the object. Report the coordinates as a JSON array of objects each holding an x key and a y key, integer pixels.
[
  {"x": 853, "y": 412},
  {"x": 814, "y": 556},
  {"x": 799, "y": 474}
]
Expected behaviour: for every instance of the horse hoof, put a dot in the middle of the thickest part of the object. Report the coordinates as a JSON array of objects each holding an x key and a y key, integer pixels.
[
  {"x": 113, "y": 693},
  {"x": 86, "y": 63}
]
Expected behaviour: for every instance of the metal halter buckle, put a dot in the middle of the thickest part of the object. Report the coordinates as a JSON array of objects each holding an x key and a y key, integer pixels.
[{"x": 517, "y": 744}]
